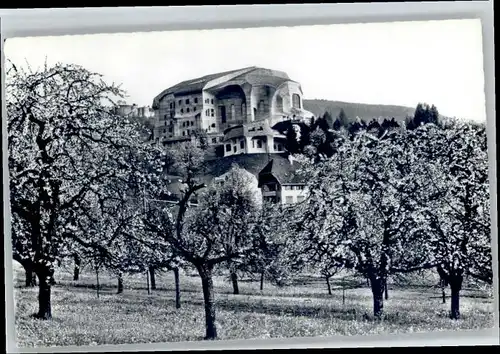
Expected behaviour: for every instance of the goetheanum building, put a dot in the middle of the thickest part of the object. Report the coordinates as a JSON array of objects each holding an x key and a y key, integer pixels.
[{"x": 236, "y": 109}]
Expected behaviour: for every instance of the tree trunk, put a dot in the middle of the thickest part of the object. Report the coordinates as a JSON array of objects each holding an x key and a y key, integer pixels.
[
  {"x": 442, "y": 281},
  {"x": 97, "y": 281},
  {"x": 44, "y": 292},
  {"x": 386, "y": 291},
  {"x": 30, "y": 275},
  {"x": 443, "y": 292},
  {"x": 120, "y": 284},
  {"x": 76, "y": 270},
  {"x": 377, "y": 285},
  {"x": 153, "y": 278},
  {"x": 177, "y": 289},
  {"x": 261, "y": 280},
  {"x": 328, "y": 285},
  {"x": 208, "y": 297},
  {"x": 148, "y": 282},
  {"x": 343, "y": 292},
  {"x": 30, "y": 279},
  {"x": 456, "y": 286},
  {"x": 52, "y": 281},
  {"x": 234, "y": 281}
]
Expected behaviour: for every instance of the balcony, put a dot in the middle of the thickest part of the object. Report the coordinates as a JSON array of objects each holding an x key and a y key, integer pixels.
[{"x": 269, "y": 193}]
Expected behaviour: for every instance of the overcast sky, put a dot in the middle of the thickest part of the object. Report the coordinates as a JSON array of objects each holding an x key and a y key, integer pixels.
[{"x": 401, "y": 63}]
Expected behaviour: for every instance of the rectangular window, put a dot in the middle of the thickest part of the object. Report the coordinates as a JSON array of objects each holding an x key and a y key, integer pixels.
[
  {"x": 242, "y": 144},
  {"x": 180, "y": 102},
  {"x": 212, "y": 112},
  {"x": 196, "y": 100},
  {"x": 234, "y": 149},
  {"x": 259, "y": 144},
  {"x": 212, "y": 101},
  {"x": 289, "y": 200},
  {"x": 170, "y": 130},
  {"x": 214, "y": 140},
  {"x": 187, "y": 101},
  {"x": 183, "y": 133},
  {"x": 192, "y": 123},
  {"x": 228, "y": 147}
]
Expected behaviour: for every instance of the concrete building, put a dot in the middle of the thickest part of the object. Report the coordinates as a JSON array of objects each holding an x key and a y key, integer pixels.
[
  {"x": 280, "y": 182},
  {"x": 132, "y": 110},
  {"x": 239, "y": 99}
]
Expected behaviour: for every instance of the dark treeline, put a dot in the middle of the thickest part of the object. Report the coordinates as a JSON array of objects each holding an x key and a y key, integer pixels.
[{"x": 321, "y": 132}]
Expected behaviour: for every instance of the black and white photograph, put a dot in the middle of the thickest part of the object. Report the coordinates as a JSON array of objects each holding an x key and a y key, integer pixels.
[{"x": 249, "y": 183}]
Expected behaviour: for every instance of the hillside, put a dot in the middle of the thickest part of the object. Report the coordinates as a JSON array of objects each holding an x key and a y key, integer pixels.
[{"x": 365, "y": 111}]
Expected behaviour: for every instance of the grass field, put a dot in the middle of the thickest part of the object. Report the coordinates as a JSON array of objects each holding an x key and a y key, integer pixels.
[{"x": 304, "y": 309}]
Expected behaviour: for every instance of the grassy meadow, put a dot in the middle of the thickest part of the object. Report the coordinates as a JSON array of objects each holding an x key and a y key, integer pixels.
[{"x": 80, "y": 317}]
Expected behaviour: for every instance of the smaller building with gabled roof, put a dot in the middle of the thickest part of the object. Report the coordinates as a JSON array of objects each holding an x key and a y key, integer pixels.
[{"x": 281, "y": 183}]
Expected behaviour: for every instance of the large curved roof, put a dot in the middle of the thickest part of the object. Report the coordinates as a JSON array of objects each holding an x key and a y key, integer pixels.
[
  {"x": 262, "y": 76},
  {"x": 193, "y": 85},
  {"x": 253, "y": 75}
]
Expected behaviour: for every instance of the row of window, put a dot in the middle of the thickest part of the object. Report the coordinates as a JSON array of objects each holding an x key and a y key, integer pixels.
[
  {"x": 242, "y": 146},
  {"x": 253, "y": 129},
  {"x": 188, "y": 124},
  {"x": 272, "y": 187},
  {"x": 295, "y": 103},
  {"x": 294, "y": 188},
  {"x": 289, "y": 199},
  {"x": 257, "y": 143},
  {"x": 210, "y": 112},
  {"x": 188, "y": 110},
  {"x": 278, "y": 147},
  {"x": 186, "y": 101}
]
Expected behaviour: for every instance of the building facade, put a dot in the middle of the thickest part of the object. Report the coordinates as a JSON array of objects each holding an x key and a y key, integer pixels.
[
  {"x": 132, "y": 110},
  {"x": 227, "y": 106}
]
